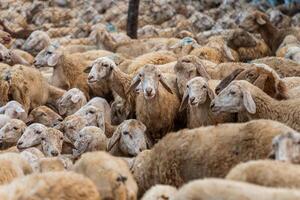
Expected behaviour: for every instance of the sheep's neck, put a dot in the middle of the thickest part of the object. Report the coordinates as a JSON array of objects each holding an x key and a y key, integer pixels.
[
  {"x": 120, "y": 82},
  {"x": 200, "y": 115},
  {"x": 269, "y": 33}
]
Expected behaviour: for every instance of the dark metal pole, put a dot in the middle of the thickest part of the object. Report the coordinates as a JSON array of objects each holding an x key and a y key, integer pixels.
[{"x": 132, "y": 18}]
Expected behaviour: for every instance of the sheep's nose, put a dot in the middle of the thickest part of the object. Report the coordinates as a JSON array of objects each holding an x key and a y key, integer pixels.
[
  {"x": 212, "y": 105},
  {"x": 54, "y": 153},
  {"x": 60, "y": 119},
  {"x": 19, "y": 143},
  {"x": 149, "y": 91},
  {"x": 34, "y": 62}
]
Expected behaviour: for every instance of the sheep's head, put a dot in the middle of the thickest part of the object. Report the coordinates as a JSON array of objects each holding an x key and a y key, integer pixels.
[
  {"x": 44, "y": 115},
  {"x": 71, "y": 101},
  {"x": 5, "y": 37},
  {"x": 251, "y": 21},
  {"x": 14, "y": 110},
  {"x": 130, "y": 137},
  {"x": 186, "y": 68},
  {"x": 241, "y": 38},
  {"x": 93, "y": 115},
  {"x": 185, "y": 46},
  {"x": 4, "y": 53},
  {"x": 149, "y": 78},
  {"x": 120, "y": 111},
  {"x": 235, "y": 98},
  {"x": 37, "y": 41},
  {"x": 12, "y": 131},
  {"x": 52, "y": 140},
  {"x": 71, "y": 127},
  {"x": 293, "y": 53},
  {"x": 197, "y": 92},
  {"x": 286, "y": 147},
  {"x": 262, "y": 76},
  {"x": 48, "y": 57},
  {"x": 100, "y": 69},
  {"x": 31, "y": 136}
]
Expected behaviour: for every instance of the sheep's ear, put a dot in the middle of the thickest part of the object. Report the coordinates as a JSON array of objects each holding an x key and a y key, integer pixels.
[
  {"x": 228, "y": 52},
  {"x": 228, "y": 80},
  {"x": 260, "y": 20},
  {"x": 261, "y": 81},
  {"x": 249, "y": 102},
  {"x": 75, "y": 98},
  {"x": 88, "y": 69},
  {"x": 101, "y": 121},
  {"x": 165, "y": 84},
  {"x": 114, "y": 139},
  {"x": 19, "y": 110},
  {"x": 134, "y": 83},
  {"x": 210, "y": 93},
  {"x": 201, "y": 70},
  {"x": 53, "y": 60},
  {"x": 184, "y": 101}
]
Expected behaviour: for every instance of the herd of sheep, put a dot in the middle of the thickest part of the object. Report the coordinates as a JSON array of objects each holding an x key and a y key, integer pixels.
[{"x": 204, "y": 105}]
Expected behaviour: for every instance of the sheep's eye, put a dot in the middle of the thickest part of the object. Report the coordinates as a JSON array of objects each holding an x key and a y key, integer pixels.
[
  {"x": 105, "y": 65},
  {"x": 187, "y": 86},
  {"x": 125, "y": 133},
  {"x": 140, "y": 75},
  {"x": 80, "y": 136},
  {"x": 159, "y": 75},
  {"x": 232, "y": 92},
  {"x": 61, "y": 138},
  {"x": 15, "y": 128},
  {"x": 38, "y": 132},
  {"x": 122, "y": 179},
  {"x": 43, "y": 138},
  {"x": 48, "y": 53},
  {"x": 92, "y": 112},
  {"x": 204, "y": 86}
]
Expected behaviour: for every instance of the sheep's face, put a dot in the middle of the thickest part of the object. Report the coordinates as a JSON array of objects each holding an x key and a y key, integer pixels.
[
  {"x": 12, "y": 131},
  {"x": 4, "y": 53},
  {"x": 81, "y": 144},
  {"x": 71, "y": 101},
  {"x": 251, "y": 21},
  {"x": 133, "y": 138},
  {"x": 71, "y": 127},
  {"x": 197, "y": 92},
  {"x": 100, "y": 69},
  {"x": 92, "y": 114},
  {"x": 234, "y": 99},
  {"x": 32, "y": 136},
  {"x": 45, "y": 116},
  {"x": 52, "y": 141},
  {"x": 48, "y": 57},
  {"x": 286, "y": 147},
  {"x": 5, "y": 37},
  {"x": 276, "y": 17},
  {"x": 37, "y": 41},
  {"x": 14, "y": 110}
]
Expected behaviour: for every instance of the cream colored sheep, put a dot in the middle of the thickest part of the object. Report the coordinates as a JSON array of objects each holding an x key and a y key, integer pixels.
[
  {"x": 36, "y": 42},
  {"x": 178, "y": 157},
  {"x": 293, "y": 53},
  {"x": 14, "y": 110},
  {"x": 197, "y": 97},
  {"x": 31, "y": 136},
  {"x": 14, "y": 56},
  {"x": 150, "y": 102},
  {"x": 11, "y": 132},
  {"x": 71, "y": 101},
  {"x": 12, "y": 166},
  {"x": 129, "y": 139},
  {"x": 210, "y": 189},
  {"x": 267, "y": 173},
  {"x": 110, "y": 174},
  {"x": 160, "y": 192},
  {"x": 90, "y": 138},
  {"x": 45, "y": 116},
  {"x": 290, "y": 41},
  {"x": 51, "y": 186},
  {"x": 52, "y": 142},
  {"x": 251, "y": 102}
]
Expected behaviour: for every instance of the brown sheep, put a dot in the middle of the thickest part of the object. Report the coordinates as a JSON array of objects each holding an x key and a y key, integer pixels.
[
  {"x": 190, "y": 154},
  {"x": 45, "y": 116}
]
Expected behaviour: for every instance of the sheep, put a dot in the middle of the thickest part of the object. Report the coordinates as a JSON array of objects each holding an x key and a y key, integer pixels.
[
  {"x": 293, "y": 53},
  {"x": 178, "y": 157},
  {"x": 198, "y": 95},
  {"x": 71, "y": 101},
  {"x": 14, "y": 110},
  {"x": 36, "y": 42},
  {"x": 93, "y": 115},
  {"x": 252, "y": 103},
  {"x": 261, "y": 76},
  {"x": 25, "y": 84},
  {"x": 45, "y": 116},
  {"x": 52, "y": 186},
  {"x": 258, "y": 21},
  {"x": 90, "y": 138},
  {"x": 11, "y": 132},
  {"x": 68, "y": 69},
  {"x": 12, "y": 166},
  {"x": 284, "y": 67},
  {"x": 210, "y": 189},
  {"x": 129, "y": 139},
  {"x": 149, "y": 103},
  {"x": 290, "y": 41},
  {"x": 286, "y": 148},
  {"x": 159, "y": 192},
  {"x": 5, "y": 37},
  {"x": 247, "y": 46},
  {"x": 31, "y": 136},
  {"x": 110, "y": 174},
  {"x": 32, "y": 155},
  {"x": 14, "y": 56},
  {"x": 267, "y": 173},
  {"x": 51, "y": 142},
  {"x": 120, "y": 111}
]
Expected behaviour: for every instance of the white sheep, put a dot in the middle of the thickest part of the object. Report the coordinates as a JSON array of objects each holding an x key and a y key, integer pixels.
[
  {"x": 14, "y": 110},
  {"x": 31, "y": 136},
  {"x": 129, "y": 139},
  {"x": 251, "y": 102},
  {"x": 11, "y": 132},
  {"x": 51, "y": 142}
]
